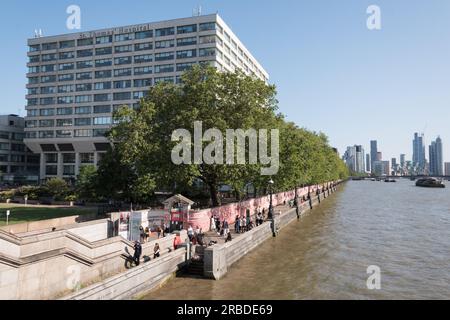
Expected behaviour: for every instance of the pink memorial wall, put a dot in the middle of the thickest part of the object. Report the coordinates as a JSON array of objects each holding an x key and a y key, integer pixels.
[{"x": 230, "y": 211}]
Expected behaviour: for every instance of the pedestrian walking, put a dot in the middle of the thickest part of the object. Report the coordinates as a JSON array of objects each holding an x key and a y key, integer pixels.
[
  {"x": 237, "y": 224},
  {"x": 156, "y": 251},
  {"x": 190, "y": 233},
  {"x": 225, "y": 228},
  {"x": 137, "y": 253}
]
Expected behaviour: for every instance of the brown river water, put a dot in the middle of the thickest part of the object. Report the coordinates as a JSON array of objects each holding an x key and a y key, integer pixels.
[{"x": 402, "y": 229}]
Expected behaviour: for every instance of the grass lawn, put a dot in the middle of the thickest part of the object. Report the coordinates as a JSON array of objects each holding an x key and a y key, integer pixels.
[{"x": 22, "y": 214}]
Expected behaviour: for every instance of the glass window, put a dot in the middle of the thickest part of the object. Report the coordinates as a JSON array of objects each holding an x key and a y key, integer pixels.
[
  {"x": 83, "y": 110},
  {"x": 139, "y": 94},
  {"x": 33, "y": 102},
  {"x": 102, "y": 109},
  {"x": 51, "y": 158},
  {"x": 47, "y": 79},
  {"x": 63, "y": 133},
  {"x": 46, "y": 134},
  {"x": 139, "y": 83},
  {"x": 187, "y": 29},
  {"x": 85, "y": 64},
  {"x": 123, "y": 60},
  {"x": 85, "y": 42},
  {"x": 103, "y": 51},
  {"x": 164, "y": 68},
  {"x": 122, "y": 72},
  {"x": 143, "y": 58},
  {"x": 64, "y": 122},
  {"x": 67, "y": 55},
  {"x": 68, "y": 157},
  {"x": 104, "y": 39},
  {"x": 66, "y": 77},
  {"x": 186, "y": 54},
  {"x": 33, "y": 69},
  {"x": 207, "y": 39},
  {"x": 48, "y": 57},
  {"x": 143, "y": 70},
  {"x": 119, "y": 49},
  {"x": 67, "y": 44},
  {"x": 122, "y": 84},
  {"x": 51, "y": 170},
  {"x": 207, "y": 26},
  {"x": 83, "y": 99},
  {"x": 181, "y": 67},
  {"x": 103, "y": 63},
  {"x": 68, "y": 170},
  {"x": 144, "y": 34},
  {"x": 35, "y": 59},
  {"x": 101, "y": 121},
  {"x": 187, "y": 41},
  {"x": 66, "y": 66},
  {"x": 33, "y": 91},
  {"x": 164, "y": 79},
  {"x": 103, "y": 74},
  {"x": 102, "y": 85},
  {"x": 83, "y": 121},
  {"x": 207, "y": 52},
  {"x": 164, "y": 44},
  {"x": 84, "y": 87},
  {"x": 66, "y": 88},
  {"x": 165, "y": 32},
  {"x": 122, "y": 96},
  {"x": 102, "y": 97},
  {"x": 84, "y": 76},
  {"x": 85, "y": 53},
  {"x": 46, "y": 123},
  {"x": 48, "y": 68},
  {"x": 65, "y": 100},
  {"x": 32, "y": 113},
  {"x": 143, "y": 46},
  {"x": 82, "y": 133},
  {"x": 124, "y": 37},
  {"x": 47, "y": 101},
  {"x": 86, "y": 157},
  {"x": 164, "y": 56},
  {"x": 100, "y": 132},
  {"x": 64, "y": 111},
  {"x": 28, "y": 124},
  {"x": 33, "y": 80},
  {"x": 50, "y": 46},
  {"x": 34, "y": 48},
  {"x": 46, "y": 112}
]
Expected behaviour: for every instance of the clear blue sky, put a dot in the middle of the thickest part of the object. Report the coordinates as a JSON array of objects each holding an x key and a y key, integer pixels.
[{"x": 332, "y": 73}]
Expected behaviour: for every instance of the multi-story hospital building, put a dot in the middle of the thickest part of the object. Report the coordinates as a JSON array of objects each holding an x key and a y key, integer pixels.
[{"x": 76, "y": 81}]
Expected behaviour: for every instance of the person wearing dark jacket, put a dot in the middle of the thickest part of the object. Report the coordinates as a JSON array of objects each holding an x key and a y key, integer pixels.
[{"x": 137, "y": 252}]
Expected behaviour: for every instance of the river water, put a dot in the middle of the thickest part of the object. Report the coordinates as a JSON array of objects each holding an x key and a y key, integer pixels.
[{"x": 402, "y": 229}]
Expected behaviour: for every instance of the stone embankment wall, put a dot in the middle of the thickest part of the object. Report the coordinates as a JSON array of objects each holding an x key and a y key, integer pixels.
[
  {"x": 219, "y": 258},
  {"x": 46, "y": 265}
]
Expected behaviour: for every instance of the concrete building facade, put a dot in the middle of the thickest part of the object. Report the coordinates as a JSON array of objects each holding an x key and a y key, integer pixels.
[
  {"x": 76, "y": 81},
  {"x": 17, "y": 163}
]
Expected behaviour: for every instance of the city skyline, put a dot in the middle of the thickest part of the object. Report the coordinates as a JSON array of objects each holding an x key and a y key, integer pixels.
[{"x": 315, "y": 38}]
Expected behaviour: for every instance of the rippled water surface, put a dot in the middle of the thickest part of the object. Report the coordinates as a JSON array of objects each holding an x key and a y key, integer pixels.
[{"x": 403, "y": 229}]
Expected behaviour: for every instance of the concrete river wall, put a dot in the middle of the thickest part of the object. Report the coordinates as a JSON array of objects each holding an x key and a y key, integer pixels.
[
  {"x": 81, "y": 261},
  {"x": 219, "y": 258}
]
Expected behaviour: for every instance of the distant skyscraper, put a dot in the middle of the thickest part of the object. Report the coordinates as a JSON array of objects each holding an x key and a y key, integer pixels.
[
  {"x": 368, "y": 163},
  {"x": 402, "y": 164},
  {"x": 379, "y": 156},
  {"x": 394, "y": 165},
  {"x": 436, "y": 159},
  {"x": 373, "y": 153},
  {"x": 419, "y": 161},
  {"x": 354, "y": 158},
  {"x": 381, "y": 168},
  {"x": 447, "y": 168}
]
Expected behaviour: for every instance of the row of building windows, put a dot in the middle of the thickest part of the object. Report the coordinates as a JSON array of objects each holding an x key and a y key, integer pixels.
[
  {"x": 116, "y": 73},
  {"x": 182, "y": 54},
  {"x": 49, "y": 123},
  {"x": 17, "y": 136},
  {"x": 59, "y": 134},
  {"x": 124, "y": 37},
  {"x": 17, "y": 147},
  {"x": 67, "y": 158}
]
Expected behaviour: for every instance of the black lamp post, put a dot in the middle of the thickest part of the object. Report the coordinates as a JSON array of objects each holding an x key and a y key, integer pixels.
[{"x": 297, "y": 207}]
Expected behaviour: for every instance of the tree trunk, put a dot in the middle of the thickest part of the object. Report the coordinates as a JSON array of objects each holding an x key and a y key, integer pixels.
[{"x": 214, "y": 195}]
